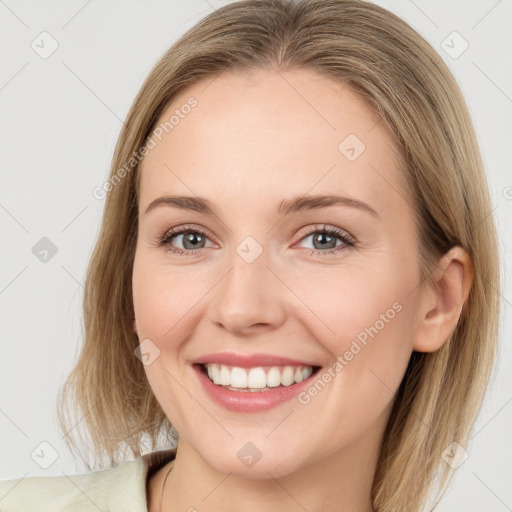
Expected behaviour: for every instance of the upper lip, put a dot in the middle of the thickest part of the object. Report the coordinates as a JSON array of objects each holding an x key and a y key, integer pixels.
[{"x": 249, "y": 360}]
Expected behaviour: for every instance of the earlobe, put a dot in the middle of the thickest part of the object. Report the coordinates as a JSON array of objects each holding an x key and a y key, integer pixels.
[
  {"x": 442, "y": 304},
  {"x": 135, "y": 327}
]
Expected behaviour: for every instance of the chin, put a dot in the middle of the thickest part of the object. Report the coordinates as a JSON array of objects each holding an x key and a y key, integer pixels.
[{"x": 247, "y": 460}]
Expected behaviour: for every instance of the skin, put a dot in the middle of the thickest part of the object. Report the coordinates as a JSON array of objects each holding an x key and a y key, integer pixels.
[{"x": 252, "y": 141}]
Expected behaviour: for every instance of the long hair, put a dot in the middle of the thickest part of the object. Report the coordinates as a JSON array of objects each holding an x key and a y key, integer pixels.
[{"x": 395, "y": 71}]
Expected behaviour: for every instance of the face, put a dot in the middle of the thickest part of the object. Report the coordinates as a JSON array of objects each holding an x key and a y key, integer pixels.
[{"x": 302, "y": 313}]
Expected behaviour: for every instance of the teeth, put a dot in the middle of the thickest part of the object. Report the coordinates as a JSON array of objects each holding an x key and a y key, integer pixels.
[
  {"x": 225, "y": 376},
  {"x": 287, "y": 376},
  {"x": 273, "y": 377},
  {"x": 238, "y": 378},
  {"x": 259, "y": 378}
]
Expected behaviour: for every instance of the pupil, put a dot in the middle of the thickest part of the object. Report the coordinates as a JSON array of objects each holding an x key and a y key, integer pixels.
[
  {"x": 190, "y": 238},
  {"x": 322, "y": 237}
]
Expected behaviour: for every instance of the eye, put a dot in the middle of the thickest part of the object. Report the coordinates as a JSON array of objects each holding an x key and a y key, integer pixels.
[
  {"x": 192, "y": 238},
  {"x": 325, "y": 239}
]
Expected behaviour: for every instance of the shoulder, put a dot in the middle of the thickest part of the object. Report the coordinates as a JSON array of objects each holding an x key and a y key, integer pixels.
[
  {"x": 56, "y": 493},
  {"x": 118, "y": 489}
]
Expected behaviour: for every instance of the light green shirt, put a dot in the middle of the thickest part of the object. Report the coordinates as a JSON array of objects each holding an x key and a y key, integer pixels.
[{"x": 118, "y": 489}]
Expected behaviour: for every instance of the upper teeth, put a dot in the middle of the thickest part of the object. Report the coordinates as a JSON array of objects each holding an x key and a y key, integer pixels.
[{"x": 257, "y": 378}]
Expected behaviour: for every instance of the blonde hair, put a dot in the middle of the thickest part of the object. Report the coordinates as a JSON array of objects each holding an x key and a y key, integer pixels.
[{"x": 402, "y": 78}]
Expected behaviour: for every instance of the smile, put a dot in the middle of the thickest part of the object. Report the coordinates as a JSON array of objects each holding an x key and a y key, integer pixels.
[
  {"x": 256, "y": 379},
  {"x": 252, "y": 383}
]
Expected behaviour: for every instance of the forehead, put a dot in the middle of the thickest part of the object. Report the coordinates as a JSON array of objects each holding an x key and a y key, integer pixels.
[{"x": 268, "y": 134}]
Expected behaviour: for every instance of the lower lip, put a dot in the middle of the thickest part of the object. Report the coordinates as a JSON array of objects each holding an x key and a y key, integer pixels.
[{"x": 250, "y": 401}]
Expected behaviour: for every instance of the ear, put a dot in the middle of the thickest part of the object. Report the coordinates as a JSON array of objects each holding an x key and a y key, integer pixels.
[
  {"x": 441, "y": 305},
  {"x": 135, "y": 327}
]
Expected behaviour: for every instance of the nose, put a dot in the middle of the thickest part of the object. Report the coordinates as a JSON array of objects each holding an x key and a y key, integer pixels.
[{"x": 249, "y": 299}]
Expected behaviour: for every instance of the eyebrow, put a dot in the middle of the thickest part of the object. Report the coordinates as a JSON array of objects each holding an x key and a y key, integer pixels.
[{"x": 287, "y": 206}]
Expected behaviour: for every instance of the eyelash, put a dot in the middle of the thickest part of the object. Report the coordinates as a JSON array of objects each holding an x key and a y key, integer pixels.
[{"x": 347, "y": 240}]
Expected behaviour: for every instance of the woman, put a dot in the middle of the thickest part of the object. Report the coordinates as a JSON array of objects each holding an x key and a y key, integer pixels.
[{"x": 296, "y": 272}]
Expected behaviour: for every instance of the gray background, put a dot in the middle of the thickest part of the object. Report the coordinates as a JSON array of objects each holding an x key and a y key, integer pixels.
[{"x": 61, "y": 118}]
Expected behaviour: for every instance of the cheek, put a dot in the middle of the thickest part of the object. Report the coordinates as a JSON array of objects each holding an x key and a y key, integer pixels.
[
  {"x": 367, "y": 327},
  {"x": 367, "y": 324},
  {"x": 166, "y": 299},
  {"x": 356, "y": 303}
]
